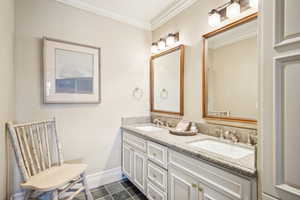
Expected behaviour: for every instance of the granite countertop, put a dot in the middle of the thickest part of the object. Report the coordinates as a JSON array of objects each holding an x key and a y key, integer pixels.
[{"x": 244, "y": 166}]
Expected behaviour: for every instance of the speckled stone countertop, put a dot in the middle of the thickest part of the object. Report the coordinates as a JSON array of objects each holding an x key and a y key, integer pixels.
[{"x": 244, "y": 167}]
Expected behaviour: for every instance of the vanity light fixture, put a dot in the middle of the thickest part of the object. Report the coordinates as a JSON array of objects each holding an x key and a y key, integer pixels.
[
  {"x": 154, "y": 47},
  {"x": 253, "y": 3},
  {"x": 170, "y": 39},
  {"x": 214, "y": 18},
  {"x": 229, "y": 10},
  {"x": 161, "y": 44},
  {"x": 165, "y": 42},
  {"x": 233, "y": 10}
]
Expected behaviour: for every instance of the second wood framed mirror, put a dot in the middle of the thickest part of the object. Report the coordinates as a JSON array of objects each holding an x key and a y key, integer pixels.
[
  {"x": 230, "y": 72},
  {"x": 167, "y": 81}
]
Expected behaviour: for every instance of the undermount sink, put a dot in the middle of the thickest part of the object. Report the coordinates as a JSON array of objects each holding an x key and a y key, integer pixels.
[
  {"x": 225, "y": 149},
  {"x": 149, "y": 128}
]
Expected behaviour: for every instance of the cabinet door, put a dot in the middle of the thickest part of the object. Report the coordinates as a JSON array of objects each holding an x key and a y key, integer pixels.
[
  {"x": 280, "y": 94},
  {"x": 127, "y": 161},
  {"x": 182, "y": 186},
  {"x": 139, "y": 168}
]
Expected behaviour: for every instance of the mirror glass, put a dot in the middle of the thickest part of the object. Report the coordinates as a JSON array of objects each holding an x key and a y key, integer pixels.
[
  {"x": 166, "y": 82},
  {"x": 231, "y": 73}
]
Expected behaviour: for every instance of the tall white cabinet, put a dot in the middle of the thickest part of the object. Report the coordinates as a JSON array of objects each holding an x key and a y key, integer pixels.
[{"x": 280, "y": 99}]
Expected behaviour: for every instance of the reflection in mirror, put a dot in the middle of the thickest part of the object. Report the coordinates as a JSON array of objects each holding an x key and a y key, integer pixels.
[
  {"x": 231, "y": 73},
  {"x": 167, "y": 81}
]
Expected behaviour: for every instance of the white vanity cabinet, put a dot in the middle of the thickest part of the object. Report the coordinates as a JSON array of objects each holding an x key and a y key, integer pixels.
[
  {"x": 134, "y": 160},
  {"x": 199, "y": 180},
  {"x": 165, "y": 174},
  {"x": 183, "y": 185},
  {"x": 127, "y": 158}
]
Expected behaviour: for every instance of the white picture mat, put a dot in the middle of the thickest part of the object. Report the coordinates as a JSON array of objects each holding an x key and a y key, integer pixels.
[{"x": 50, "y": 74}]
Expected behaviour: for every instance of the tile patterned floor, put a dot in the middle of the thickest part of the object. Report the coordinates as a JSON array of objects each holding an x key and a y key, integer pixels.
[{"x": 122, "y": 190}]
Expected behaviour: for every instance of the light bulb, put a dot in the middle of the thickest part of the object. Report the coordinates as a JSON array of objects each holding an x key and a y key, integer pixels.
[
  {"x": 161, "y": 44},
  {"x": 233, "y": 10},
  {"x": 214, "y": 19},
  {"x": 170, "y": 39},
  {"x": 154, "y": 48},
  {"x": 253, "y": 3}
]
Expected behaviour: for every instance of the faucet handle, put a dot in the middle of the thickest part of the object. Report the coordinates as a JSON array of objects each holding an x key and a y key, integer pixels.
[
  {"x": 227, "y": 134},
  {"x": 234, "y": 136},
  {"x": 167, "y": 124},
  {"x": 249, "y": 139}
]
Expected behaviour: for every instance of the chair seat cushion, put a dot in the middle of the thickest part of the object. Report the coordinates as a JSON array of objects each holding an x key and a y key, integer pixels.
[{"x": 55, "y": 177}]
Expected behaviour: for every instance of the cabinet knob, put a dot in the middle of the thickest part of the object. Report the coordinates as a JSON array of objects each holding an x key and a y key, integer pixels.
[
  {"x": 154, "y": 175},
  {"x": 194, "y": 185},
  {"x": 154, "y": 154},
  {"x": 200, "y": 189}
]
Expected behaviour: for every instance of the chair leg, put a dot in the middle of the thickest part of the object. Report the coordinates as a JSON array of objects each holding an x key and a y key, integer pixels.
[
  {"x": 87, "y": 192},
  {"x": 54, "y": 195},
  {"x": 27, "y": 195}
]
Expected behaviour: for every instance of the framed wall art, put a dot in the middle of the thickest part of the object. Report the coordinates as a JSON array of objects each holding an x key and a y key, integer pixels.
[{"x": 71, "y": 72}]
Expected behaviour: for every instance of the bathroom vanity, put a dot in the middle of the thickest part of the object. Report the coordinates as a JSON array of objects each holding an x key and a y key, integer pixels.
[
  {"x": 200, "y": 167},
  {"x": 165, "y": 166}
]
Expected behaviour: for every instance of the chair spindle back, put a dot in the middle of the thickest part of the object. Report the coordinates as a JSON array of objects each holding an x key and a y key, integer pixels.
[{"x": 36, "y": 146}]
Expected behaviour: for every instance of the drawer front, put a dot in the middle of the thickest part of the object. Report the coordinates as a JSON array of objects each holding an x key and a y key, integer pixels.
[
  {"x": 157, "y": 175},
  {"x": 135, "y": 141},
  {"x": 153, "y": 193},
  {"x": 158, "y": 154}
]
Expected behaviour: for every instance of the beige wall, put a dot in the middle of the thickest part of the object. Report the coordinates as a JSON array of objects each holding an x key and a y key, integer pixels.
[
  {"x": 191, "y": 24},
  {"x": 7, "y": 94},
  {"x": 88, "y": 132}
]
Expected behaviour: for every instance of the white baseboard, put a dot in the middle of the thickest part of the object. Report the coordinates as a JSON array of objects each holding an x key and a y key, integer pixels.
[
  {"x": 268, "y": 197},
  {"x": 104, "y": 177},
  {"x": 94, "y": 180}
]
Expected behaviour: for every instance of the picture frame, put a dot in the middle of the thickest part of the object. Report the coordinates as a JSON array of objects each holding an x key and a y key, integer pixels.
[{"x": 71, "y": 72}]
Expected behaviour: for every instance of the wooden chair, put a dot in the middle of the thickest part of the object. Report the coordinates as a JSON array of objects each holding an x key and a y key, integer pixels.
[{"x": 39, "y": 157}]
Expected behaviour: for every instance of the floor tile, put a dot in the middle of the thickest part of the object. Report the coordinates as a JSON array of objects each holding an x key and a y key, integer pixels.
[
  {"x": 133, "y": 190},
  {"x": 80, "y": 197},
  {"x": 114, "y": 187},
  {"x": 126, "y": 183},
  {"x": 140, "y": 197},
  {"x": 106, "y": 198},
  {"x": 123, "y": 195},
  {"x": 99, "y": 192}
]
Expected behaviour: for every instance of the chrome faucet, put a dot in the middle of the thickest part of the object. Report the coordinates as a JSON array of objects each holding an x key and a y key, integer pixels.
[
  {"x": 158, "y": 122},
  {"x": 231, "y": 136},
  {"x": 220, "y": 131}
]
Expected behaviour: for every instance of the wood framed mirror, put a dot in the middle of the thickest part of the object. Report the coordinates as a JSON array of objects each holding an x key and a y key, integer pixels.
[
  {"x": 167, "y": 81},
  {"x": 230, "y": 72}
]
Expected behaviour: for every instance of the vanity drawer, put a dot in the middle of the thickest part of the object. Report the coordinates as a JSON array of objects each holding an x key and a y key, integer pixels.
[
  {"x": 135, "y": 141},
  {"x": 158, "y": 154},
  {"x": 153, "y": 193},
  {"x": 157, "y": 175}
]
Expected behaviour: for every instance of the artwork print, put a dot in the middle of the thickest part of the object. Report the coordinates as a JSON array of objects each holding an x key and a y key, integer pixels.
[{"x": 71, "y": 72}]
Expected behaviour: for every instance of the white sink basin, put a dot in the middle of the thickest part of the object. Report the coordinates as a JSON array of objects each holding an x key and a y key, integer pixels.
[
  {"x": 149, "y": 128},
  {"x": 225, "y": 149}
]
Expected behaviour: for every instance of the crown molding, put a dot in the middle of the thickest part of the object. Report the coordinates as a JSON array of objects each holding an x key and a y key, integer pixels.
[
  {"x": 106, "y": 13},
  {"x": 158, "y": 21},
  {"x": 174, "y": 10}
]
